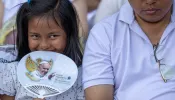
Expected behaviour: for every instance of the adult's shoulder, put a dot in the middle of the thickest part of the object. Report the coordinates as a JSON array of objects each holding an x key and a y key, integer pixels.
[
  {"x": 107, "y": 22},
  {"x": 119, "y": 19},
  {"x": 103, "y": 31},
  {"x": 123, "y": 14},
  {"x": 114, "y": 24}
]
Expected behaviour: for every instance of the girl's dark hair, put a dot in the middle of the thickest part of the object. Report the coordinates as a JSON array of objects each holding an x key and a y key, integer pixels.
[{"x": 64, "y": 15}]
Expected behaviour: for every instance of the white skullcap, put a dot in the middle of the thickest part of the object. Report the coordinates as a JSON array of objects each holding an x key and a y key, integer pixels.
[{"x": 44, "y": 62}]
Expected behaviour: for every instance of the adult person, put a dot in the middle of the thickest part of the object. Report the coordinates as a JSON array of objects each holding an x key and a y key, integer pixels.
[{"x": 130, "y": 55}]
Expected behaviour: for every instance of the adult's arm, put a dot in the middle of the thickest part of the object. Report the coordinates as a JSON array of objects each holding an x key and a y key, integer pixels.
[
  {"x": 99, "y": 92},
  {"x": 98, "y": 78},
  {"x": 92, "y": 4},
  {"x": 81, "y": 8}
]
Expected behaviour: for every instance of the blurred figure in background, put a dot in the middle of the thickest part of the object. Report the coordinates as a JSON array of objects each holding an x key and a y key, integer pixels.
[
  {"x": 92, "y": 6},
  {"x": 1, "y": 13},
  {"x": 8, "y": 10},
  {"x": 107, "y": 8},
  {"x": 81, "y": 8},
  {"x": 86, "y": 10}
]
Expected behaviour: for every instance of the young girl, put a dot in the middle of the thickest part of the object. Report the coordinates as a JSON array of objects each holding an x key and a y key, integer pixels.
[{"x": 47, "y": 25}]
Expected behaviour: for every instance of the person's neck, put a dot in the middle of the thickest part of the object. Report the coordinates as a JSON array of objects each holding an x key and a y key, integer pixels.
[{"x": 154, "y": 31}]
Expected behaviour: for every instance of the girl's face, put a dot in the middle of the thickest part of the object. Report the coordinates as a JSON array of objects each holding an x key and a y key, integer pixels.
[{"x": 44, "y": 34}]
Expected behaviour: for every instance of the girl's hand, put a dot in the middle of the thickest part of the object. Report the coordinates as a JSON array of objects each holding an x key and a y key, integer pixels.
[
  {"x": 6, "y": 97},
  {"x": 39, "y": 99}
]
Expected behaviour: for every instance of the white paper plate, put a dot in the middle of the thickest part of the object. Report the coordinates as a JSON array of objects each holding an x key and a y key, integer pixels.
[{"x": 46, "y": 74}]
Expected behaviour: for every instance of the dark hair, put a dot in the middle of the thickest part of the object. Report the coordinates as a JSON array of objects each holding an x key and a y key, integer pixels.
[{"x": 64, "y": 15}]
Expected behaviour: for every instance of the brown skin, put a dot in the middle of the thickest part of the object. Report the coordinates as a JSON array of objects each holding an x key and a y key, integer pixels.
[
  {"x": 39, "y": 99},
  {"x": 92, "y": 4},
  {"x": 81, "y": 8},
  {"x": 100, "y": 92},
  {"x": 45, "y": 35},
  {"x": 5, "y": 97},
  {"x": 153, "y": 24},
  {"x": 153, "y": 16},
  {"x": 161, "y": 8}
]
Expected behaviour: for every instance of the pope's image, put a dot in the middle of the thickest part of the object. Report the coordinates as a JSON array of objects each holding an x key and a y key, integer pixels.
[{"x": 38, "y": 70}]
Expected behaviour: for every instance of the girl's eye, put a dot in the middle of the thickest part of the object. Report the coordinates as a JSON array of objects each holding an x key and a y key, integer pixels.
[
  {"x": 53, "y": 36},
  {"x": 35, "y": 37}
]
